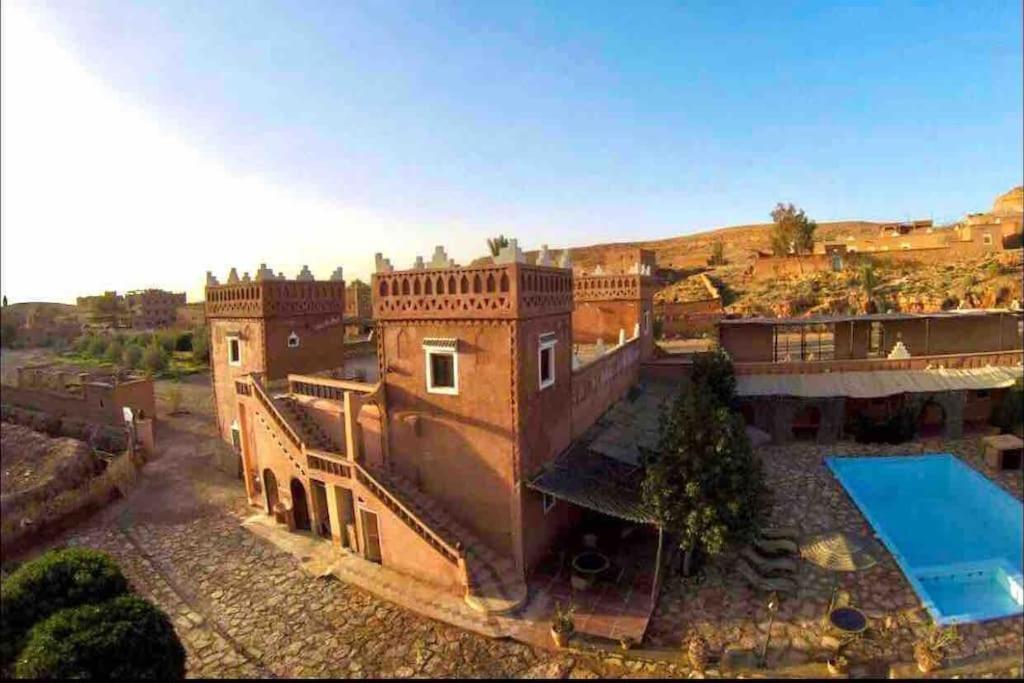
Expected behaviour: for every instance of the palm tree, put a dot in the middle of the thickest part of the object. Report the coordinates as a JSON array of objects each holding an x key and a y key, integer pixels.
[
  {"x": 496, "y": 244},
  {"x": 869, "y": 281}
]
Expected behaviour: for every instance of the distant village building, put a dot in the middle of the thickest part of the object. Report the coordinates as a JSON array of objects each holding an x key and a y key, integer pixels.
[
  {"x": 150, "y": 309},
  {"x": 358, "y": 309},
  {"x": 107, "y": 310}
]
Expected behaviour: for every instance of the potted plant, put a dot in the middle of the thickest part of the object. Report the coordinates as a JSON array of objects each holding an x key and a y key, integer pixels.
[
  {"x": 930, "y": 649},
  {"x": 698, "y": 652},
  {"x": 562, "y": 625},
  {"x": 837, "y": 664},
  {"x": 626, "y": 642}
]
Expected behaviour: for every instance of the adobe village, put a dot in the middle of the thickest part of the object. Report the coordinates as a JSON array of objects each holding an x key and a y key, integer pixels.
[{"x": 682, "y": 458}]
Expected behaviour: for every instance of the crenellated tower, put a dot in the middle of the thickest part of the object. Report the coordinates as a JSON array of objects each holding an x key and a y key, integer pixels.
[{"x": 271, "y": 325}]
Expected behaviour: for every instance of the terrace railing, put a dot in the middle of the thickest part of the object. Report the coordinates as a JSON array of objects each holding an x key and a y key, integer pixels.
[{"x": 954, "y": 361}]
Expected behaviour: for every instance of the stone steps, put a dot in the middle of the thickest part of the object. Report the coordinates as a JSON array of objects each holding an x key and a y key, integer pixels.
[
  {"x": 308, "y": 429},
  {"x": 495, "y": 586}
]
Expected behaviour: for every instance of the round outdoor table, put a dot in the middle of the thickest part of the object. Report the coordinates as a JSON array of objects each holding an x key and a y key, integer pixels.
[
  {"x": 585, "y": 568},
  {"x": 848, "y": 620}
]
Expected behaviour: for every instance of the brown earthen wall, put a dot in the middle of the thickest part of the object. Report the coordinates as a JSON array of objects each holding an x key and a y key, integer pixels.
[
  {"x": 544, "y": 414},
  {"x": 747, "y": 343},
  {"x": 459, "y": 448},
  {"x": 603, "y": 319},
  {"x": 321, "y": 344},
  {"x": 224, "y": 375},
  {"x": 599, "y": 384}
]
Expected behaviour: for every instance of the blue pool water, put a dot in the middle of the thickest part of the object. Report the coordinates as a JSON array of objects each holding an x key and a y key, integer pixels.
[{"x": 956, "y": 535}]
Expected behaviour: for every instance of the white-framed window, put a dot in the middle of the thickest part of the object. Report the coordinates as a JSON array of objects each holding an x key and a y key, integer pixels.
[
  {"x": 234, "y": 350},
  {"x": 549, "y": 502},
  {"x": 546, "y": 360},
  {"x": 293, "y": 341},
  {"x": 441, "y": 363}
]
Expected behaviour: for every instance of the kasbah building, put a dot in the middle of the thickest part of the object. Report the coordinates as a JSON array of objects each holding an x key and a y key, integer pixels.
[
  {"x": 426, "y": 471},
  {"x": 471, "y": 457}
]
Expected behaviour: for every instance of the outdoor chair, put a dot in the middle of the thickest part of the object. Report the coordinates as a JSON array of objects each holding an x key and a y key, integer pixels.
[
  {"x": 767, "y": 584},
  {"x": 777, "y": 532},
  {"x": 776, "y": 546},
  {"x": 769, "y": 565}
]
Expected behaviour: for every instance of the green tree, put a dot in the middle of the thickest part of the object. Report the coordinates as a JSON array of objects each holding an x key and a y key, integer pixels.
[
  {"x": 8, "y": 333},
  {"x": 496, "y": 244},
  {"x": 97, "y": 347},
  {"x": 132, "y": 356},
  {"x": 201, "y": 345},
  {"x": 717, "y": 257},
  {"x": 712, "y": 372},
  {"x": 154, "y": 359},
  {"x": 792, "y": 230},
  {"x": 56, "y": 580},
  {"x": 183, "y": 341},
  {"x": 123, "y": 638},
  {"x": 114, "y": 352},
  {"x": 704, "y": 486},
  {"x": 869, "y": 281},
  {"x": 167, "y": 340}
]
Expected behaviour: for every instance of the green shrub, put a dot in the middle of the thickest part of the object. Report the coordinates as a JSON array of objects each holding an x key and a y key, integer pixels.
[
  {"x": 123, "y": 638},
  {"x": 183, "y": 342},
  {"x": 167, "y": 340},
  {"x": 82, "y": 343},
  {"x": 54, "y": 581},
  {"x": 201, "y": 345},
  {"x": 154, "y": 359},
  {"x": 113, "y": 352},
  {"x": 1009, "y": 415},
  {"x": 131, "y": 357},
  {"x": 97, "y": 347},
  {"x": 713, "y": 372}
]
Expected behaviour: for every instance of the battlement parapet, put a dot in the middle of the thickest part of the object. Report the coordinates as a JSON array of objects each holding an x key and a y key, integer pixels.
[
  {"x": 502, "y": 291},
  {"x": 270, "y": 298},
  {"x": 626, "y": 287}
]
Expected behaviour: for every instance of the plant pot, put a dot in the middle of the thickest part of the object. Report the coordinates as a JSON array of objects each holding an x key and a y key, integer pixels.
[
  {"x": 561, "y": 638},
  {"x": 835, "y": 667},
  {"x": 926, "y": 665}
]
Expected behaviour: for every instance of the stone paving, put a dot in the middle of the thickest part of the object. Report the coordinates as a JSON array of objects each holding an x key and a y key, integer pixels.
[
  {"x": 245, "y": 609},
  {"x": 731, "y": 614}
]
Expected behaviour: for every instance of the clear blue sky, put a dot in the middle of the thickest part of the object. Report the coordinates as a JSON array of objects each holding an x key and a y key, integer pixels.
[{"x": 564, "y": 122}]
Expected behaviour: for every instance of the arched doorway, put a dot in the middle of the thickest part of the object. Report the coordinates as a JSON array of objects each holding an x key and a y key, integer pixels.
[
  {"x": 270, "y": 490},
  {"x": 300, "y": 506},
  {"x": 806, "y": 422},
  {"x": 931, "y": 421}
]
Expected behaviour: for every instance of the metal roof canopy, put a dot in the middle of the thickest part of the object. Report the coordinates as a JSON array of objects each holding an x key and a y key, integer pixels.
[
  {"x": 871, "y": 317},
  {"x": 597, "y": 483},
  {"x": 876, "y": 384}
]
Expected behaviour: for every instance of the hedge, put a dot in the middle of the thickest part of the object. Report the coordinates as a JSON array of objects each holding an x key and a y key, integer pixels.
[{"x": 123, "y": 638}]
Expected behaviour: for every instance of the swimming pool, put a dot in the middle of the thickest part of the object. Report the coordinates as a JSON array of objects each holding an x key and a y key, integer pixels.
[{"x": 955, "y": 534}]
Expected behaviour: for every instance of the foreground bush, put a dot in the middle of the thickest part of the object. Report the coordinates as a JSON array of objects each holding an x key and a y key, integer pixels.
[
  {"x": 54, "y": 581},
  {"x": 123, "y": 638}
]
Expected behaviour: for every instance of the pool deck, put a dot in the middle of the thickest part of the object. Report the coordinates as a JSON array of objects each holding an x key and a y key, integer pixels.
[{"x": 807, "y": 496}]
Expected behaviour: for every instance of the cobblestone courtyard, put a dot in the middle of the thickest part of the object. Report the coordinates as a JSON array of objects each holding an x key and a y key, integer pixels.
[{"x": 244, "y": 608}]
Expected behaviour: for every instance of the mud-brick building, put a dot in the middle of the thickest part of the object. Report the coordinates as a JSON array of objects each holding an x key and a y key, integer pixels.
[
  {"x": 272, "y": 326},
  {"x": 817, "y": 377},
  {"x": 150, "y": 309},
  {"x": 483, "y": 384}
]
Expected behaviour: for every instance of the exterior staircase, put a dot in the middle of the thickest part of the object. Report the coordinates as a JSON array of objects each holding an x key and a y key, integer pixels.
[
  {"x": 310, "y": 432},
  {"x": 495, "y": 587}
]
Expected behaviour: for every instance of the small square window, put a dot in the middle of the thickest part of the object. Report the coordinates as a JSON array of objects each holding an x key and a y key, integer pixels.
[
  {"x": 549, "y": 502},
  {"x": 442, "y": 372},
  {"x": 234, "y": 351},
  {"x": 293, "y": 341},
  {"x": 987, "y": 239},
  {"x": 546, "y": 360}
]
